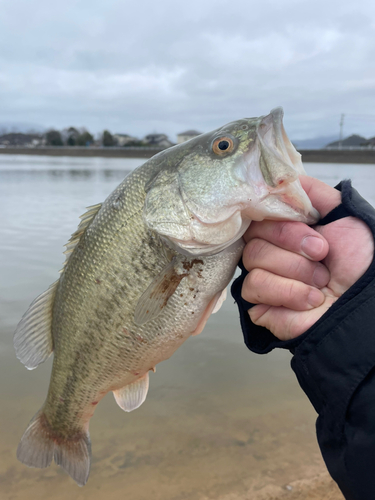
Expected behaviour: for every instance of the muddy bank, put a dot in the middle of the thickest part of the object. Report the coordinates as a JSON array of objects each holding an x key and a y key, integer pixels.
[{"x": 84, "y": 152}]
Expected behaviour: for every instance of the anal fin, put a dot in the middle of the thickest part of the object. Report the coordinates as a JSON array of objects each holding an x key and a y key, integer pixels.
[{"x": 131, "y": 396}]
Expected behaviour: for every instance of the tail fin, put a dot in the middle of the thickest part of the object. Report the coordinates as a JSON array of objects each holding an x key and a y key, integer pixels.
[{"x": 39, "y": 445}]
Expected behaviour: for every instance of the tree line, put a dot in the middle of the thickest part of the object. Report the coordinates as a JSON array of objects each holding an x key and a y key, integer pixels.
[
  {"x": 75, "y": 137},
  {"x": 80, "y": 137}
]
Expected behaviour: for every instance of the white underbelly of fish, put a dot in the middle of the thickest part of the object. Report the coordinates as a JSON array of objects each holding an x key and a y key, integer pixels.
[{"x": 186, "y": 311}]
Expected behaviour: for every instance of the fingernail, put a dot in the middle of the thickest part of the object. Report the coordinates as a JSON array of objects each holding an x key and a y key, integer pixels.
[
  {"x": 312, "y": 246},
  {"x": 315, "y": 297},
  {"x": 321, "y": 276}
]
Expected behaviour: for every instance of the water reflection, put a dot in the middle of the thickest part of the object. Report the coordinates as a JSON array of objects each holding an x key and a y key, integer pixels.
[
  {"x": 217, "y": 420},
  {"x": 58, "y": 174}
]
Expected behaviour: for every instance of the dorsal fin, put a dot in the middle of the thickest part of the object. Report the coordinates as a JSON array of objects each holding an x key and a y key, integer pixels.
[
  {"x": 33, "y": 337},
  {"x": 33, "y": 340},
  {"x": 86, "y": 220}
]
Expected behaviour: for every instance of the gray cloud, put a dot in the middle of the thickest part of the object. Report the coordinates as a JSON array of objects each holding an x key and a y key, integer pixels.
[{"x": 167, "y": 66}]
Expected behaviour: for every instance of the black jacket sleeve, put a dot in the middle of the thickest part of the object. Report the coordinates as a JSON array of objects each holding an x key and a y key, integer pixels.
[{"x": 334, "y": 362}]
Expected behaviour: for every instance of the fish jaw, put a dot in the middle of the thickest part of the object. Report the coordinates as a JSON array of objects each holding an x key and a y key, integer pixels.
[
  {"x": 272, "y": 170},
  {"x": 274, "y": 142},
  {"x": 288, "y": 202}
]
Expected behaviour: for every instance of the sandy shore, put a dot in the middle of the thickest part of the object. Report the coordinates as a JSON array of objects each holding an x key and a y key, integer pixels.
[
  {"x": 321, "y": 487},
  {"x": 180, "y": 455}
]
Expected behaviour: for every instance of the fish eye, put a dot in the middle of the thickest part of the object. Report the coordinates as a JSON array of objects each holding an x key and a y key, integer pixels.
[
  {"x": 244, "y": 127},
  {"x": 222, "y": 145}
]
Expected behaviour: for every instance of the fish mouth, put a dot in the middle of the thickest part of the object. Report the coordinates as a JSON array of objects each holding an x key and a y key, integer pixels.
[
  {"x": 275, "y": 141},
  {"x": 282, "y": 196}
]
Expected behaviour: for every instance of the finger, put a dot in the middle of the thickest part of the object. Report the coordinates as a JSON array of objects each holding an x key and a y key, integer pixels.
[
  {"x": 293, "y": 236},
  {"x": 260, "y": 254},
  {"x": 263, "y": 287},
  {"x": 285, "y": 323},
  {"x": 323, "y": 197}
]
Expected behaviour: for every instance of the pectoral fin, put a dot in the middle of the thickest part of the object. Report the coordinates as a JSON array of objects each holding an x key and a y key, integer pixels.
[
  {"x": 131, "y": 396},
  {"x": 210, "y": 309},
  {"x": 220, "y": 301},
  {"x": 156, "y": 296}
]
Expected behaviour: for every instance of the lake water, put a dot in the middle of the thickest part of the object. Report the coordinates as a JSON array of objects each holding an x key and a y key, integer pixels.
[{"x": 218, "y": 419}]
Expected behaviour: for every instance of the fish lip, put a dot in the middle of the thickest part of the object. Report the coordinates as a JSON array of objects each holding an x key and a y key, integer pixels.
[
  {"x": 296, "y": 213},
  {"x": 269, "y": 129},
  {"x": 272, "y": 136},
  {"x": 279, "y": 192}
]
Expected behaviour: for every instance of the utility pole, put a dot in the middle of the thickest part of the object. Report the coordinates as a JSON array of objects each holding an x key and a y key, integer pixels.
[{"x": 341, "y": 128}]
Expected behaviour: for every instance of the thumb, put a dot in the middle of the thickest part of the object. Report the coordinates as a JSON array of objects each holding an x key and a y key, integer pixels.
[{"x": 323, "y": 197}]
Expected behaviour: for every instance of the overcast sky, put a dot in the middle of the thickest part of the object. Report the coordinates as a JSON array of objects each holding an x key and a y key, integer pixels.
[{"x": 143, "y": 66}]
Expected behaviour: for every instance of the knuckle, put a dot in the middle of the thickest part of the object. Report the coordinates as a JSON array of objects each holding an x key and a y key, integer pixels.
[
  {"x": 254, "y": 315},
  {"x": 294, "y": 327},
  {"x": 256, "y": 278},
  {"x": 258, "y": 314},
  {"x": 297, "y": 266},
  {"x": 246, "y": 289},
  {"x": 282, "y": 232},
  {"x": 294, "y": 295},
  {"x": 290, "y": 290},
  {"x": 252, "y": 286},
  {"x": 254, "y": 252}
]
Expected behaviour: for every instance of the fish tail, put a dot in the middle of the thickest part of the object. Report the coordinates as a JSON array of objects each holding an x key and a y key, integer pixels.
[{"x": 40, "y": 444}]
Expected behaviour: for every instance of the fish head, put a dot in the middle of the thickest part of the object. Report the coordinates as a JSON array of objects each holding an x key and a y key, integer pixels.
[{"x": 209, "y": 189}]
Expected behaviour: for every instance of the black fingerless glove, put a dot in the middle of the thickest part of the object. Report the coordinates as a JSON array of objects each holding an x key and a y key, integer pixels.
[{"x": 334, "y": 362}]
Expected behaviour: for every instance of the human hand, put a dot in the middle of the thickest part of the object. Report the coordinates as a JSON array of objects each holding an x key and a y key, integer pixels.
[{"x": 297, "y": 272}]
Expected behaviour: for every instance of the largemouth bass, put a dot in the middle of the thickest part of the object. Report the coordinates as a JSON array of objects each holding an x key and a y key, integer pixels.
[{"x": 145, "y": 270}]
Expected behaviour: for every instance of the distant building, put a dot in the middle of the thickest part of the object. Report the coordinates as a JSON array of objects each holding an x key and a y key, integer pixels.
[
  {"x": 158, "y": 141},
  {"x": 185, "y": 136},
  {"x": 370, "y": 143},
  {"x": 16, "y": 139},
  {"x": 124, "y": 139},
  {"x": 353, "y": 141}
]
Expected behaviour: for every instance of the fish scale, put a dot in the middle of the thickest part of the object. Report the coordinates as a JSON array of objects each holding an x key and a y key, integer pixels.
[
  {"x": 144, "y": 271},
  {"x": 93, "y": 309}
]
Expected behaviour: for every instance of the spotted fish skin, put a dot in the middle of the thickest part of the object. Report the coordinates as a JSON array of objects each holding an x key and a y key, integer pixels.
[{"x": 144, "y": 271}]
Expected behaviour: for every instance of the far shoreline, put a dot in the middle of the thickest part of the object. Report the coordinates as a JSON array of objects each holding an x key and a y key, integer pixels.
[{"x": 364, "y": 156}]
